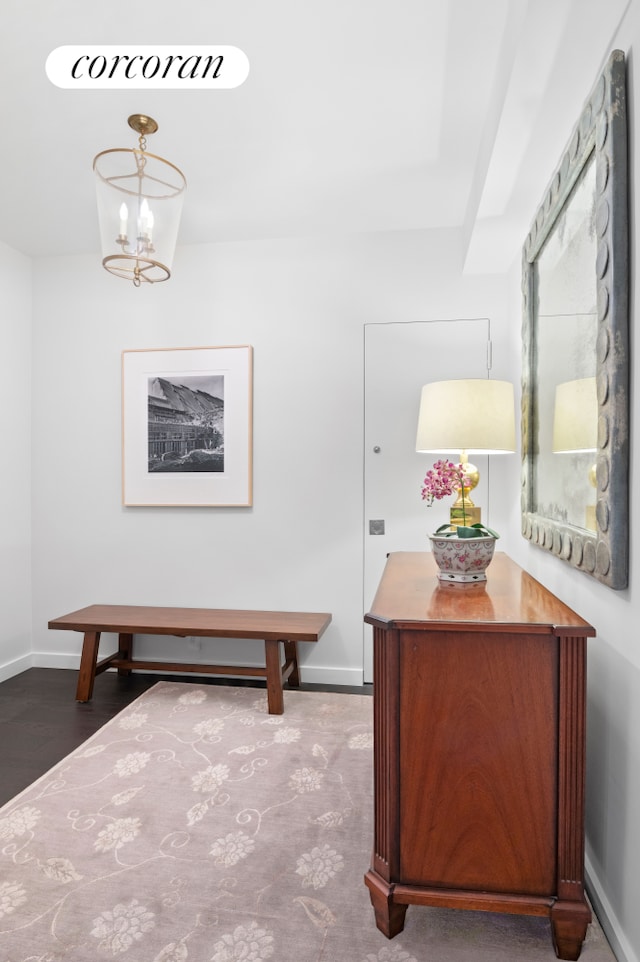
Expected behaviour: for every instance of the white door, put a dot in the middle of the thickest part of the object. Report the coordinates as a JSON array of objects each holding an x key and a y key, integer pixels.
[{"x": 399, "y": 359}]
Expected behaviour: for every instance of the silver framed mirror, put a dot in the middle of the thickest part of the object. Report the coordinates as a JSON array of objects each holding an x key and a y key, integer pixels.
[{"x": 575, "y": 370}]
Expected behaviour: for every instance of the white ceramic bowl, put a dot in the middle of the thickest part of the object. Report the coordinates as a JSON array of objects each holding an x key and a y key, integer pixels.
[{"x": 462, "y": 559}]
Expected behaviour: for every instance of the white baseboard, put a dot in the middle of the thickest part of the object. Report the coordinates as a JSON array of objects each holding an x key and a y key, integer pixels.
[
  {"x": 607, "y": 917},
  {"x": 310, "y": 674},
  {"x": 41, "y": 659},
  {"x": 16, "y": 667},
  {"x": 331, "y": 676}
]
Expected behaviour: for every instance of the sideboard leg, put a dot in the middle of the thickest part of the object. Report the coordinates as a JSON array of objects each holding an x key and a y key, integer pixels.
[
  {"x": 569, "y": 921},
  {"x": 389, "y": 915}
]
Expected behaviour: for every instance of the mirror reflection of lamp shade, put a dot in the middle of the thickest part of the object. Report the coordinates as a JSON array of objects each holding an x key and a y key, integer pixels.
[{"x": 575, "y": 416}]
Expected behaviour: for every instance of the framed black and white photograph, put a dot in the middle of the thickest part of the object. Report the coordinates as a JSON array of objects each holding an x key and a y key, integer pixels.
[{"x": 187, "y": 432}]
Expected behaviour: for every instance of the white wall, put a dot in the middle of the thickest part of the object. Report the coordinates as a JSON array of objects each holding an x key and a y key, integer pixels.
[
  {"x": 15, "y": 474},
  {"x": 302, "y": 305},
  {"x": 613, "y": 751}
]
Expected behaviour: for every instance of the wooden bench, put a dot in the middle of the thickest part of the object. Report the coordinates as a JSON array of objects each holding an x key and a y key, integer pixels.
[{"x": 272, "y": 627}]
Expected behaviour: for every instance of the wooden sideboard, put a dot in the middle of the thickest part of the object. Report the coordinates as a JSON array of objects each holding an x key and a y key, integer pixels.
[{"x": 479, "y": 748}]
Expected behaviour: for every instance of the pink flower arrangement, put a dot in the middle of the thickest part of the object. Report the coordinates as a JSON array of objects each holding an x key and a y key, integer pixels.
[
  {"x": 443, "y": 479},
  {"x": 446, "y": 478}
]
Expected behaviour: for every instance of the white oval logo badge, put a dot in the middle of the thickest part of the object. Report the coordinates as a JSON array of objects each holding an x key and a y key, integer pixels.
[{"x": 146, "y": 68}]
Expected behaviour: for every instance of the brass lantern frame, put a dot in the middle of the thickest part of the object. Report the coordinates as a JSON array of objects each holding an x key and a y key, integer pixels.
[{"x": 135, "y": 260}]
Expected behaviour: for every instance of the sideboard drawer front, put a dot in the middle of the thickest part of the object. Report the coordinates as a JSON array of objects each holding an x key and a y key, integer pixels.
[{"x": 478, "y": 750}]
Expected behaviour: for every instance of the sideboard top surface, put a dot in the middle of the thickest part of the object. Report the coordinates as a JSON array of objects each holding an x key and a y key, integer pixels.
[{"x": 410, "y": 594}]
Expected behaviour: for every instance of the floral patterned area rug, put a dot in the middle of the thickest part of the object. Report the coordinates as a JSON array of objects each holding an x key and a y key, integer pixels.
[{"x": 196, "y": 827}]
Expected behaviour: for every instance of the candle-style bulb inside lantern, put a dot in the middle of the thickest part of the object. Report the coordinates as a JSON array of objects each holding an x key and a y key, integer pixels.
[
  {"x": 124, "y": 217},
  {"x": 144, "y": 217}
]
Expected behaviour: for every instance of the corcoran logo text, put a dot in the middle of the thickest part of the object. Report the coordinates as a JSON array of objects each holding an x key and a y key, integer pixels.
[{"x": 145, "y": 68}]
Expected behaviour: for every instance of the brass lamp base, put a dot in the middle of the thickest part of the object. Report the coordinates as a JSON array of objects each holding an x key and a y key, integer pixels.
[
  {"x": 465, "y": 512},
  {"x": 470, "y": 514}
]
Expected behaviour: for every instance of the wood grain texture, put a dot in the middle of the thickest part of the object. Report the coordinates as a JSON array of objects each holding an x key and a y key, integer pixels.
[
  {"x": 200, "y": 622},
  {"x": 272, "y": 627},
  {"x": 479, "y": 745},
  {"x": 510, "y": 598},
  {"x": 385, "y": 769}
]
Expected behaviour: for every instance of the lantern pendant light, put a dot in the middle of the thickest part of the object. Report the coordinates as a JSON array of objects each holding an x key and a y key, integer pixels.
[{"x": 140, "y": 199}]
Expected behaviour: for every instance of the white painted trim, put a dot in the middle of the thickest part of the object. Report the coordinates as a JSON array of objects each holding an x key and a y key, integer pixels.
[
  {"x": 607, "y": 917},
  {"x": 315, "y": 675},
  {"x": 40, "y": 659},
  {"x": 16, "y": 667}
]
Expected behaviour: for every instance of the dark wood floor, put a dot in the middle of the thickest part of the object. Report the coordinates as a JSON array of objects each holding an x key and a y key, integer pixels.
[{"x": 41, "y": 722}]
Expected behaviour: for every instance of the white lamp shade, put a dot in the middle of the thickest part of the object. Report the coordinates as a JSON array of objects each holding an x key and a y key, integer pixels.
[
  {"x": 575, "y": 416},
  {"x": 467, "y": 415}
]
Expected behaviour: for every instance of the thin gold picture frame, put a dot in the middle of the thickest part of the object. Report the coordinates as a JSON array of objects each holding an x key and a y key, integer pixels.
[{"x": 187, "y": 427}]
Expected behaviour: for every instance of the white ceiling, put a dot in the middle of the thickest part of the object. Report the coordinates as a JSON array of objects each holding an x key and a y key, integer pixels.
[{"x": 357, "y": 115}]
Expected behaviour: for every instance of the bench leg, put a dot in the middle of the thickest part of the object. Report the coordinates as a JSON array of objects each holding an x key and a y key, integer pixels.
[
  {"x": 291, "y": 657},
  {"x": 125, "y": 650},
  {"x": 274, "y": 677},
  {"x": 88, "y": 659}
]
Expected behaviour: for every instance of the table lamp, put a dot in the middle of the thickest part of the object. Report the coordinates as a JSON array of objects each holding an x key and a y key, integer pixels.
[{"x": 466, "y": 416}]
